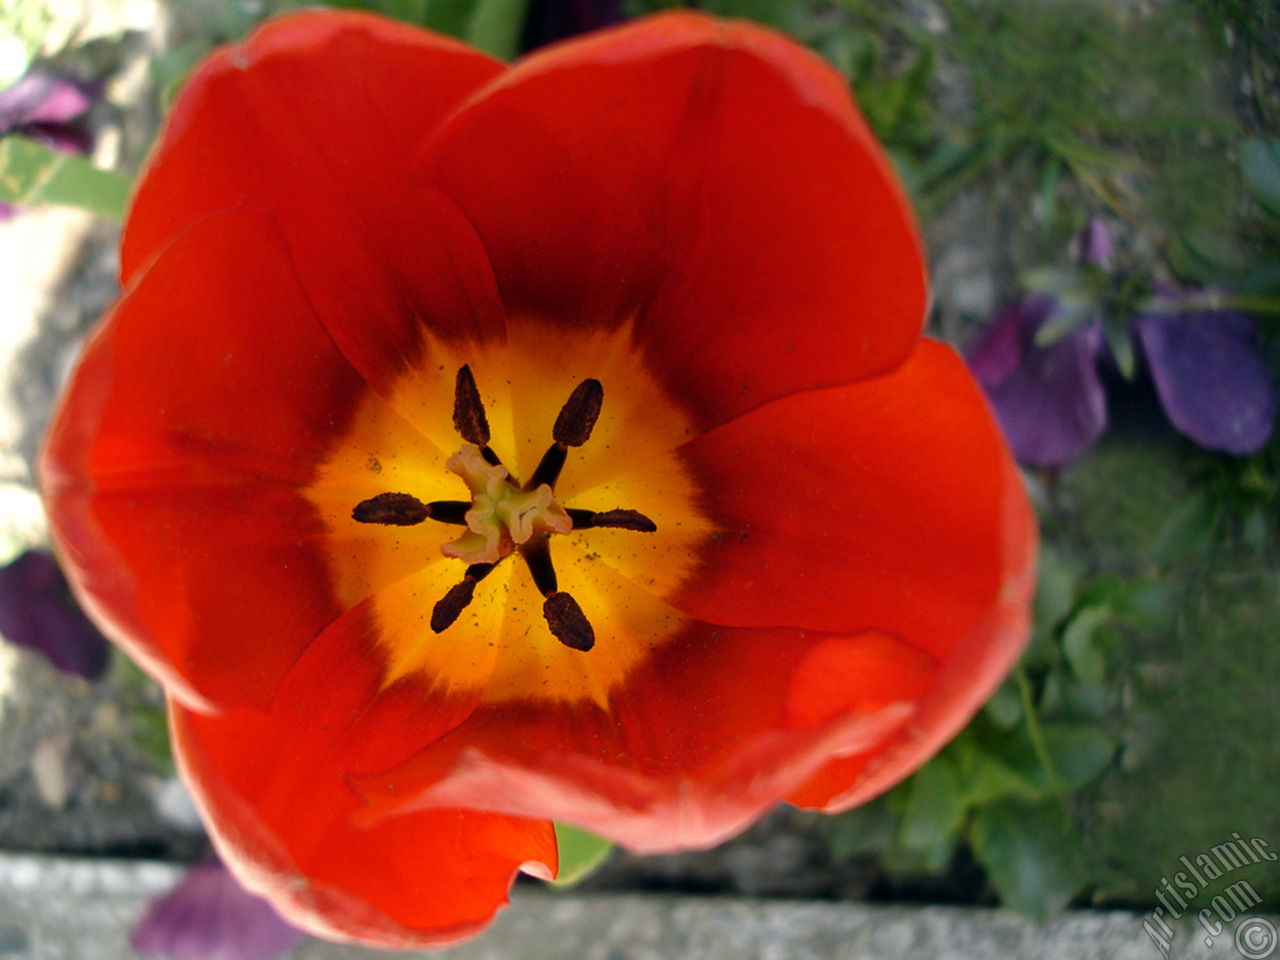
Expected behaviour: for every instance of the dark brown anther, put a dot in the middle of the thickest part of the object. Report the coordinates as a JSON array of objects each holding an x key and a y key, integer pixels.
[
  {"x": 468, "y": 409},
  {"x": 616, "y": 519},
  {"x": 537, "y": 555},
  {"x": 568, "y": 623},
  {"x": 449, "y": 511},
  {"x": 392, "y": 509},
  {"x": 578, "y": 415},
  {"x": 450, "y": 606}
]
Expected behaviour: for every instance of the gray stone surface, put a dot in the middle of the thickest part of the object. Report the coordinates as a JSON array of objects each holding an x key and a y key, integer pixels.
[{"x": 67, "y": 909}]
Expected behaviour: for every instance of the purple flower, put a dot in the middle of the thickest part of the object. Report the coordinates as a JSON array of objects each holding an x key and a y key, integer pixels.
[
  {"x": 1204, "y": 362},
  {"x": 45, "y": 107},
  {"x": 38, "y": 612},
  {"x": 1049, "y": 400},
  {"x": 209, "y": 916},
  {"x": 1208, "y": 374}
]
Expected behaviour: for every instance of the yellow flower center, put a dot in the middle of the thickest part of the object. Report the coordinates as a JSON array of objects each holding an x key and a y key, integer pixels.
[{"x": 403, "y": 567}]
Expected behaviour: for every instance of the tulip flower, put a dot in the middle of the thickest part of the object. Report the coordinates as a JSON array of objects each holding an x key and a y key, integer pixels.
[{"x": 477, "y": 446}]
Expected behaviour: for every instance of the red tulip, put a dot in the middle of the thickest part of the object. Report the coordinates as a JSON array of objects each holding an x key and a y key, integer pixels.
[{"x": 769, "y": 545}]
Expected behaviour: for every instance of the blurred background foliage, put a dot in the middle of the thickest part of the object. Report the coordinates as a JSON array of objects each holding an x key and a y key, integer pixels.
[{"x": 1140, "y": 726}]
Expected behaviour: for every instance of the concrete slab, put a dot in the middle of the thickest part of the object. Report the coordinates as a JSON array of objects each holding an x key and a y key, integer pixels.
[{"x": 55, "y": 908}]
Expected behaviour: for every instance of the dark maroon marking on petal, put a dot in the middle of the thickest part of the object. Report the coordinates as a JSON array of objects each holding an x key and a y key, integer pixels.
[
  {"x": 568, "y": 623},
  {"x": 392, "y": 509}
]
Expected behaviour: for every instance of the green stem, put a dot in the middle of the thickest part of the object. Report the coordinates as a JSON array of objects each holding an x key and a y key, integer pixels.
[{"x": 1033, "y": 728}]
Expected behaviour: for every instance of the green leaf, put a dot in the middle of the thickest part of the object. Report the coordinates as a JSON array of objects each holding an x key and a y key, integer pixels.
[
  {"x": 1005, "y": 706},
  {"x": 1188, "y": 529},
  {"x": 1074, "y": 310},
  {"x": 774, "y": 13},
  {"x": 495, "y": 27},
  {"x": 1082, "y": 653},
  {"x": 993, "y": 764},
  {"x": 910, "y": 861},
  {"x": 863, "y": 829},
  {"x": 1121, "y": 345},
  {"x": 448, "y": 16},
  {"x": 1260, "y": 166},
  {"x": 581, "y": 852},
  {"x": 169, "y": 70},
  {"x": 1054, "y": 281},
  {"x": 935, "y": 806},
  {"x": 1031, "y": 852},
  {"x": 32, "y": 174},
  {"x": 409, "y": 11},
  {"x": 1078, "y": 754},
  {"x": 1057, "y": 577}
]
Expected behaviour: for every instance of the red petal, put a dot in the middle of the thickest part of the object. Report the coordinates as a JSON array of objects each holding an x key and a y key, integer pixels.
[
  {"x": 272, "y": 790},
  {"x": 709, "y": 733},
  {"x": 316, "y": 117},
  {"x": 980, "y": 654},
  {"x": 888, "y": 505},
  {"x": 173, "y": 470},
  {"x": 711, "y": 181}
]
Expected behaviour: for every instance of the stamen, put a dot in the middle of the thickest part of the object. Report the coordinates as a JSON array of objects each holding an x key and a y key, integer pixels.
[
  {"x": 616, "y": 519},
  {"x": 449, "y": 511},
  {"x": 572, "y": 429},
  {"x": 549, "y": 467},
  {"x": 537, "y": 555},
  {"x": 568, "y": 623},
  {"x": 392, "y": 509},
  {"x": 578, "y": 415},
  {"x": 449, "y": 607},
  {"x": 468, "y": 409}
]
